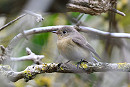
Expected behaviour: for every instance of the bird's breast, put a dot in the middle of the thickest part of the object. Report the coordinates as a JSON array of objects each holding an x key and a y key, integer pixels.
[
  {"x": 71, "y": 50},
  {"x": 64, "y": 44}
]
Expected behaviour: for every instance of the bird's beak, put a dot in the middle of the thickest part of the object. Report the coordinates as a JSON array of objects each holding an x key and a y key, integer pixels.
[{"x": 54, "y": 32}]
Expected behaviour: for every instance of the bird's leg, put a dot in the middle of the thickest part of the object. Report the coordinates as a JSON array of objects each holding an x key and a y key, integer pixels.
[
  {"x": 60, "y": 64},
  {"x": 64, "y": 63},
  {"x": 67, "y": 62},
  {"x": 95, "y": 61},
  {"x": 80, "y": 62}
]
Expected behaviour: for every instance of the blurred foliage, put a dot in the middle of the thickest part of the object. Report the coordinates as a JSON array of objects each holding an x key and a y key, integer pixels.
[
  {"x": 11, "y": 7},
  {"x": 75, "y": 14},
  {"x": 20, "y": 83},
  {"x": 121, "y": 4},
  {"x": 50, "y": 19},
  {"x": 40, "y": 40},
  {"x": 43, "y": 81}
]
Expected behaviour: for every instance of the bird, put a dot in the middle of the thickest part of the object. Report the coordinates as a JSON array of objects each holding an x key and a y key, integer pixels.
[{"x": 73, "y": 46}]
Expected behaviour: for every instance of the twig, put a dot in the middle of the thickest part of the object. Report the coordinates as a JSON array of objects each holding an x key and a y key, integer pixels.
[
  {"x": 118, "y": 12},
  {"x": 9, "y": 23},
  {"x": 31, "y": 71},
  {"x": 39, "y": 17},
  {"x": 31, "y": 56}
]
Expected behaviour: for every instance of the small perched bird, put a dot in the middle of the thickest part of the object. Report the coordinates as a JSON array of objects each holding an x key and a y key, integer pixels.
[{"x": 73, "y": 46}]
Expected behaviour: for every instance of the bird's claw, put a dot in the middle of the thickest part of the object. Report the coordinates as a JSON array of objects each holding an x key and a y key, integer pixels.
[{"x": 80, "y": 62}]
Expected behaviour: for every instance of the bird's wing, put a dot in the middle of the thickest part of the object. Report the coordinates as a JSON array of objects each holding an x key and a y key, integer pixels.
[{"x": 81, "y": 41}]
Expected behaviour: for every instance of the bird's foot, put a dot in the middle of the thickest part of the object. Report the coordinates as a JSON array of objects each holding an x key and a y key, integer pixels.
[
  {"x": 80, "y": 64},
  {"x": 63, "y": 63},
  {"x": 60, "y": 64}
]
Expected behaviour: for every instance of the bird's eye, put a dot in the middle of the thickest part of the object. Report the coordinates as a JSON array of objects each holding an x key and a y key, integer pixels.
[{"x": 64, "y": 32}]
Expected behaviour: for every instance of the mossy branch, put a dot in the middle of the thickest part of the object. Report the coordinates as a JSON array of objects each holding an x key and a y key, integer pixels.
[{"x": 31, "y": 71}]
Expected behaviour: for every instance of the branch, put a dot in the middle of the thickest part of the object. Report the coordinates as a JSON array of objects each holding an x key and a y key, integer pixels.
[
  {"x": 92, "y": 7},
  {"x": 103, "y": 33},
  {"x": 31, "y": 71},
  {"x": 16, "y": 39},
  {"x": 31, "y": 56}
]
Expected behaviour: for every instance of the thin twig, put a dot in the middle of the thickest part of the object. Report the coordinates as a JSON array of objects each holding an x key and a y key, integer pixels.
[
  {"x": 118, "y": 12},
  {"x": 9, "y": 23},
  {"x": 31, "y": 56},
  {"x": 39, "y": 17}
]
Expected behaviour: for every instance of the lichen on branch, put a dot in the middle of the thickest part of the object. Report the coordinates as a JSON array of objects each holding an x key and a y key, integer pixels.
[{"x": 31, "y": 71}]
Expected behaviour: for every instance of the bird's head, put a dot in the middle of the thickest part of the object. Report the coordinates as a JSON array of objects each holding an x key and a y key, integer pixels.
[{"x": 65, "y": 32}]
